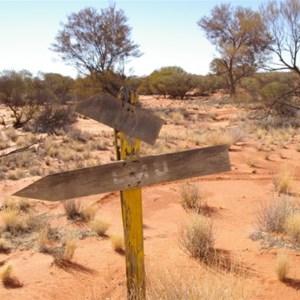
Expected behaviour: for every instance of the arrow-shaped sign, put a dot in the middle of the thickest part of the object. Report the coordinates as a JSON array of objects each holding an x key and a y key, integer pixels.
[
  {"x": 123, "y": 175},
  {"x": 122, "y": 116}
]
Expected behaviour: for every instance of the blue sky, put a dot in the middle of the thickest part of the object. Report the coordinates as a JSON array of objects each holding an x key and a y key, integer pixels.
[{"x": 165, "y": 30}]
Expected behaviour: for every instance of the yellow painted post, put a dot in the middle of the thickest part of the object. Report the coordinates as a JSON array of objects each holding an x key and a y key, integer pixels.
[{"x": 131, "y": 203}]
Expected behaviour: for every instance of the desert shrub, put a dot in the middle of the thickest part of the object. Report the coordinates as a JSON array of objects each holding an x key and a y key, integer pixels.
[
  {"x": 208, "y": 84},
  {"x": 18, "y": 160},
  {"x": 196, "y": 236},
  {"x": 282, "y": 265},
  {"x": 272, "y": 90},
  {"x": 173, "y": 81},
  {"x": 54, "y": 118},
  {"x": 73, "y": 209},
  {"x": 117, "y": 242},
  {"x": 99, "y": 226},
  {"x": 292, "y": 227},
  {"x": 283, "y": 181},
  {"x": 192, "y": 198},
  {"x": 273, "y": 215},
  {"x": 178, "y": 84},
  {"x": 251, "y": 85},
  {"x": 79, "y": 135},
  {"x": 18, "y": 93},
  {"x": 34, "y": 222}
]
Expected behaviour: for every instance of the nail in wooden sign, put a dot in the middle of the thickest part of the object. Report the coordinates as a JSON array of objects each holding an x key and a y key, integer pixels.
[
  {"x": 122, "y": 116},
  {"x": 129, "y": 174}
]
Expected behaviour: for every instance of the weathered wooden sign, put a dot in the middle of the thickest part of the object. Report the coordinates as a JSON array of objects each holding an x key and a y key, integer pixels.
[
  {"x": 122, "y": 116},
  {"x": 129, "y": 174}
]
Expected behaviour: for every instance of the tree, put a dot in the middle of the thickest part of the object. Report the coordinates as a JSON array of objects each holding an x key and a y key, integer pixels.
[
  {"x": 172, "y": 81},
  {"x": 98, "y": 43},
  {"x": 241, "y": 40},
  {"x": 86, "y": 86},
  {"x": 59, "y": 85},
  {"x": 283, "y": 22},
  {"x": 282, "y": 19},
  {"x": 18, "y": 93}
]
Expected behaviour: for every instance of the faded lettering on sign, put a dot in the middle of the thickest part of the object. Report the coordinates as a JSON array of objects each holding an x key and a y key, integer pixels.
[
  {"x": 116, "y": 179},
  {"x": 142, "y": 173},
  {"x": 159, "y": 169}
]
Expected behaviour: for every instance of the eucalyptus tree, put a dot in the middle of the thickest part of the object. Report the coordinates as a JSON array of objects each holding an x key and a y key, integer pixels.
[
  {"x": 99, "y": 43},
  {"x": 17, "y": 92},
  {"x": 283, "y": 23},
  {"x": 282, "y": 19},
  {"x": 241, "y": 39}
]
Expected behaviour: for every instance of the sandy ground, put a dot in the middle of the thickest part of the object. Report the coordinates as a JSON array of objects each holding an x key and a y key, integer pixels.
[{"x": 234, "y": 199}]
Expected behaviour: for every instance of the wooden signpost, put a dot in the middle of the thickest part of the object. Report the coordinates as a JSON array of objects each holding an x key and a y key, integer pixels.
[{"x": 129, "y": 174}]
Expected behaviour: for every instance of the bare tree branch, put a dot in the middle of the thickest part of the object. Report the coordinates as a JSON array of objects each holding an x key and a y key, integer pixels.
[{"x": 22, "y": 149}]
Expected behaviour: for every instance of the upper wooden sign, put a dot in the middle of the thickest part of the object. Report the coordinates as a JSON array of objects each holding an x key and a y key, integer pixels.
[
  {"x": 123, "y": 175},
  {"x": 122, "y": 116}
]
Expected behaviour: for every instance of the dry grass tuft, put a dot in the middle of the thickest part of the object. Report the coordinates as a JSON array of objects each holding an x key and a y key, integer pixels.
[
  {"x": 43, "y": 240},
  {"x": 273, "y": 215},
  {"x": 21, "y": 204},
  {"x": 69, "y": 249},
  {"x": 79, "y": 135},
  {"x": 5, "y": 247},
  {"x": 292, "y": 227},
  {"x": 24, "y": 205},
  {"x": 99, "y": 226},
  {"x": 196, "y": 236},
  {"x": 73, "y": 209},
  {"x": 282, "y": 265},
  {"x": 88, "y": 213},
  {"x": 13, "y": 222},
  {"x": 117, "y": 243},
  {"x": 192, "y": 198},
  {"x": 18, "y": 218},
  {"x": 183, "y": 284},
  {"x": 227, "y": 137},
  {"x": 11, "y": 203},
  {"x": 283, "y": 181},
  {"x": 64, "y": 255},
  {"x": 8, "y": 280},
  {"x": 177, "y": 118}
]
